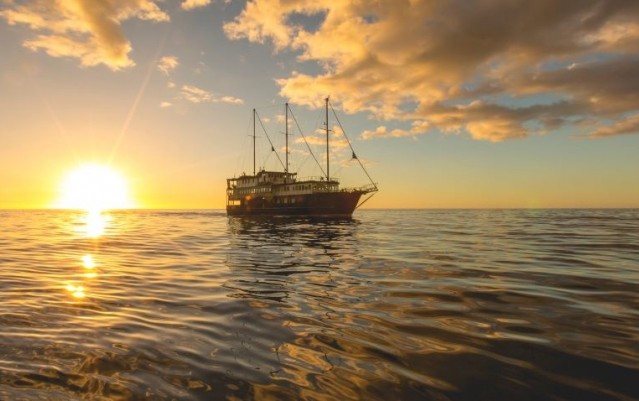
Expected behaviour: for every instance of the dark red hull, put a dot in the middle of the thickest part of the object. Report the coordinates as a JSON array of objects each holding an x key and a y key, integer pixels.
[{"x": 341, "y": 203}]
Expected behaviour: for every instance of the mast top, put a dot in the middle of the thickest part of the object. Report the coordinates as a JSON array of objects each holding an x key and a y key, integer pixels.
[{"x": 328, "y": 164}]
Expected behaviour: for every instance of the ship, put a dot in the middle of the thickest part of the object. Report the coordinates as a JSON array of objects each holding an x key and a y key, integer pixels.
[{"x": 282, "y": 193}]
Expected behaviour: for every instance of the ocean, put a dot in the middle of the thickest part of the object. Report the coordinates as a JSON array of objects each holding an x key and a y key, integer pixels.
[{"x": 391, "y": 305}]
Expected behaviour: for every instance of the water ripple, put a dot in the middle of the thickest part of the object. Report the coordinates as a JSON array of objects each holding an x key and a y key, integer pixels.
[{"x": 413, "y": 304}]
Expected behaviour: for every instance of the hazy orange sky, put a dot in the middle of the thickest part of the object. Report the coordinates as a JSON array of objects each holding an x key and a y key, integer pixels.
[{"x": 450, "y": 104}]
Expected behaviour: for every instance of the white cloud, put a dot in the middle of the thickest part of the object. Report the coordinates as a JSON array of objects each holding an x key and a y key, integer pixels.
[
  {"x": 165, "y": 105},
  {"x": 168, "y": 64},
  {"x": 89, "y": 30},
  {"x": 191, "y": 4},
  {"x": 197, "y": 95},
  {"x": 231, "y": 99}
]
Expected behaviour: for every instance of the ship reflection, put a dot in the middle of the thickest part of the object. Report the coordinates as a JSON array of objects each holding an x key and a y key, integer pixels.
[
  {"x": 269, "y": 255},
  {"x": 304, "y": 231},
  {"x": 296, "y": 276}
]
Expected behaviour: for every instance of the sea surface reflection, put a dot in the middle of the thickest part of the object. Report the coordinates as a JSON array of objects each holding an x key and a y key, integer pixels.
[{"x": 429, "y": 305}]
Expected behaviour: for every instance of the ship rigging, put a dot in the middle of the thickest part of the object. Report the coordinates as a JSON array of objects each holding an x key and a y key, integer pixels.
[{"x": 282, "y": 193}]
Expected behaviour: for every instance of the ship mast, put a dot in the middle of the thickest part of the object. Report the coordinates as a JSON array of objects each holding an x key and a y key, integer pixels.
[
  {"x": 328, "y": 175},
  {"x": 286, "y": 133},
  {"x": 253, "y": 142}
]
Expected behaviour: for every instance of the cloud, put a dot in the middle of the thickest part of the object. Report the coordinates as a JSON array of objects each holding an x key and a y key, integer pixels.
[
  {"x": 89, "y": 30},
  {"x": 418, "y": 128},
  {"x": 495, "y": 69},
  {"x": 191, "y": 4},
  {"x": 165, "y": 105},
  {"x": 261, "y": 20},
  {"x": 167, "y": 64},
  {"x": 194, "y": 94},
  {"x": 318, "y": 138},
  {"x": 627, "y": 126},
  {"x": 231, "y": 99},
  {"x": 383, "y": 132}
]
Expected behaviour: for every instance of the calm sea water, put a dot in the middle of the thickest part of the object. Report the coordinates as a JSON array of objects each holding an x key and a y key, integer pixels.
[{"x": 391, "y": 305}]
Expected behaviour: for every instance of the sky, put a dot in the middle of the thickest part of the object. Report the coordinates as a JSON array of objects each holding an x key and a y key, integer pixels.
[{"x": 448, "y": 104}]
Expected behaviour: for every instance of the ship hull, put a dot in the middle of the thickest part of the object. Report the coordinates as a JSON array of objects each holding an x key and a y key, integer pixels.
[{"x": 334, "y": 204}]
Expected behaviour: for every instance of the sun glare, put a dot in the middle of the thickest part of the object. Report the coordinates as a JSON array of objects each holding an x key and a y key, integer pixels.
[{"x": 94, "y": 187}]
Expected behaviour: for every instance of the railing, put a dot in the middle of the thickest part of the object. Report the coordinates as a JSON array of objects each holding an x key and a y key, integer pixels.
[
  {"x": 317, "y": 186},
  {"x": 316, "y": 178},
  {"x": 364, "y": 188}
]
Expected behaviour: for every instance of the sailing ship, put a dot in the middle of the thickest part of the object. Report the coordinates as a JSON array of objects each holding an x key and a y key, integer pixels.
[{"x": 283, "y": 193}]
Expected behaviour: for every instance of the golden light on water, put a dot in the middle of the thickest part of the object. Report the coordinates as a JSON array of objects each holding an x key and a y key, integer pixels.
[
  {"x": 88, "y": 262},
  {"x": 94, "y": 187},
  {"x": 89, "y": 266},
  {"x": 95, "y": 223},
  {"x": 91, "y": 225},
  {"x": 76, "y": 291}
]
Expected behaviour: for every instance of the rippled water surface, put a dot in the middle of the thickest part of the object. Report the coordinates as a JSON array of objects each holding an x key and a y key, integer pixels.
[{"x": 391, "y": 305}]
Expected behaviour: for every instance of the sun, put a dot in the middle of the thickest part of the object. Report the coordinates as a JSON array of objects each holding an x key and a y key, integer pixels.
[{"x": 94, "y": 187}]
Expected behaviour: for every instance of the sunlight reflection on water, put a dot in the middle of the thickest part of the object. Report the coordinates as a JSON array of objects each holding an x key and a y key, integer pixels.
[
  {"x": 90, "y": 224},
  {"x": 95, "y": 223},
  {"x": 443, "y": 305},
  {"x": 88, "y": 262}
]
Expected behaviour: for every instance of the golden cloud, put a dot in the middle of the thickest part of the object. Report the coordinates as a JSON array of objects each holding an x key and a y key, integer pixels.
[
  {"x": 492, "y": 69},
  {"x": 89, "y": 30},
  {"x": 337, "y": 139},
  {"x": 625, "y": 126}
]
